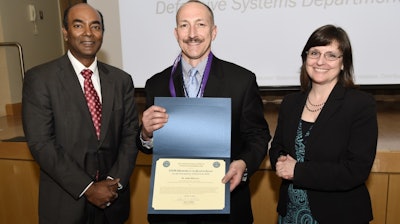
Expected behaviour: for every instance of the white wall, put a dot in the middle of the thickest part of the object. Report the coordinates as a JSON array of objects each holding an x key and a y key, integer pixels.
[
  {"x": 4, "y": 79},
  {"x": 44, "y": 45},
  {"x": 112, "y": 35}
]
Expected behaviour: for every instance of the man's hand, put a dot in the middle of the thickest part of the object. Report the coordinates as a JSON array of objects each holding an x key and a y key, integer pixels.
[
  {"x": 153, "y": 119},
  {"x": 102, "y": 193},
  {"x": 234, "y": 174}
]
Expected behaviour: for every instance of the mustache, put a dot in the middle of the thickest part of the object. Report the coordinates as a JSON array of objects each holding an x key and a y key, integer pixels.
[{"x": 192, "y": 40}]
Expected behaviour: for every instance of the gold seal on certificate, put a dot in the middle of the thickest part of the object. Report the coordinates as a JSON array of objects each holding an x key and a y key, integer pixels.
[{"x": 189, "y": 184}]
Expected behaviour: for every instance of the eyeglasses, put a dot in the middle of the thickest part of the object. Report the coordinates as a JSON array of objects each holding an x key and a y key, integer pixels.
[{"x": 327, "y": 55}]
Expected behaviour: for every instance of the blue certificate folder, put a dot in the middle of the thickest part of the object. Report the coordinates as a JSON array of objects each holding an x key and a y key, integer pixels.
[{"x": 197, "y": 128}]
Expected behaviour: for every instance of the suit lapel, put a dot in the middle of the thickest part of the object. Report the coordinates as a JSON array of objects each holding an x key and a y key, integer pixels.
[
  {"x": 107, "y": 93},
  {"x": 215, "y": 83},
  {"x": 332, "y": 105},
  {"x": 178, "y": 81},
  {"x": 72, "y": 87}
]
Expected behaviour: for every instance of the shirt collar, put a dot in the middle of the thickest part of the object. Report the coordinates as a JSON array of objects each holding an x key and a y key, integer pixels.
[
  {"x": 78, "y": 66},
  {"x": 200, "y": 67}
]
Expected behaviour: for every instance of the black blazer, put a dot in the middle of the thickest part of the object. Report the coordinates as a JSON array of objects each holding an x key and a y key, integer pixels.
[
  {"x": 250, "y": 133},
  {"x": 62, "y": 139},
  {"x": 339, "y": 155}
]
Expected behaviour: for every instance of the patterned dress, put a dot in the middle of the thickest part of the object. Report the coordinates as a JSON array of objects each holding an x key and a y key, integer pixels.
[{"x": 298, "y": 209}]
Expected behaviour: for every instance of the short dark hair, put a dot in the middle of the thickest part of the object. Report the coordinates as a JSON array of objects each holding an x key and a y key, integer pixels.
[
  {"x": 66, "y": 13},
  {"x": 324, "y": 36}
]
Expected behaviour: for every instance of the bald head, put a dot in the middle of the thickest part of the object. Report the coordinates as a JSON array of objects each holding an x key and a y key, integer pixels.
[{"x": 188, "y": 3}]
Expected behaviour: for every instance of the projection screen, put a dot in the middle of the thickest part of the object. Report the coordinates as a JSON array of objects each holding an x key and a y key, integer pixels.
[{"x": 264, "y": 36}]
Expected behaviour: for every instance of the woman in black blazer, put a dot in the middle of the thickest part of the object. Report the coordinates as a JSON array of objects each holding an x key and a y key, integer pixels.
[{"x": 325, "y": 140}]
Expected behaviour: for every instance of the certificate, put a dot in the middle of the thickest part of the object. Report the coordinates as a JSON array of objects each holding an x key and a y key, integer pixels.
[
  {"x": 191, "y": 155},
  {"x": 189, "y": 184}
]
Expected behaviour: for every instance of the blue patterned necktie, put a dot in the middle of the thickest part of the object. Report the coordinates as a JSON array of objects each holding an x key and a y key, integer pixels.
[{"x": 193, "y": 84}]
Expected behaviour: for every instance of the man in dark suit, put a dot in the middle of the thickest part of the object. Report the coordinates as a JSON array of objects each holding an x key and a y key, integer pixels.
[
  {"x": 217, "y": 78},
  {"x": 85, "y": 161}
]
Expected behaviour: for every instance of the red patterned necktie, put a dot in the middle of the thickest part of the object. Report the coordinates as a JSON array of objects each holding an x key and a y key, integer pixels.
[{"x": 92, "y": 100}]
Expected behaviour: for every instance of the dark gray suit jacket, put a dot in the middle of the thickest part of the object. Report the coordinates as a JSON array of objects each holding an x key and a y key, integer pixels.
[
  {"x": 340, "y": 152},
  {"x": 250, "y": 133},
  {"x": 62, "y": 139}
]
